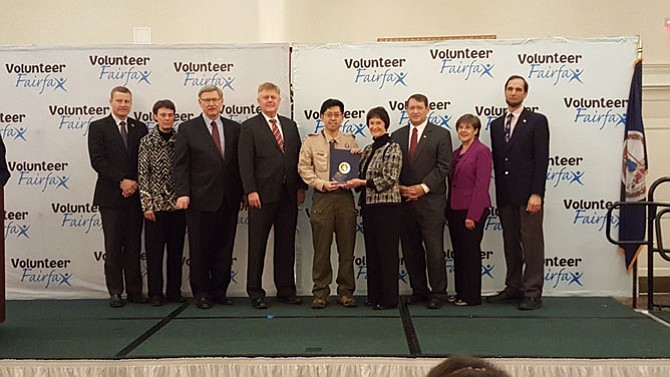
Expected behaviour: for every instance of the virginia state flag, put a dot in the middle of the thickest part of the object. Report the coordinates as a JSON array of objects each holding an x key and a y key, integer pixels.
[{"x": 632, "y": 219}]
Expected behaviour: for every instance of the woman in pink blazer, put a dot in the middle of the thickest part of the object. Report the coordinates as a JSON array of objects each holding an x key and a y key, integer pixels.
[{"x": 468, "y": 207}]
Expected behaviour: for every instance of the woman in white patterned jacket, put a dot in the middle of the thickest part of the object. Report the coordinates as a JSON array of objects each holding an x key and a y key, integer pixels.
[
  {"x": 379, "y": 183},
  {"x": 164, "y": 224}
]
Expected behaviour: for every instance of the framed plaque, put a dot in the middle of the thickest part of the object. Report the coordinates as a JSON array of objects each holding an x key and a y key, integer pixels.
[{"x": 343, "y": 165}]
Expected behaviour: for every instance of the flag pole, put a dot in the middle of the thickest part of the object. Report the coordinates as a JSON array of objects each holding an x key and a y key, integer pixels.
[{"x": 635, "y": 269}]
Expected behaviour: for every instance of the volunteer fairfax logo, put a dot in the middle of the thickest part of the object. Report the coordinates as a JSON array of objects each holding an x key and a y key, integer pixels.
[
  {"x": 438, "y": 118},
  {"x": 590, "y": 213},
  {"x": 16, "y": 225},
  {"x": 42, "y": 175},
  {"x": 206, "y": 73},
  {"x": 361, "y": 270},
  {"x": 46, "y": 273},
  {"x": 598, "y": 112},
  {"x": 353, "y": 122},
  {"x": 40, "y": 77},
  {"x": 493, "y": 221},
  {"x": 464, "y": 63},
  {"x": 12, "y": 130},
  {"x": 122, "y": 69},
  {"x": 492, "y": 112},
  {"x": 565, "y": 171},
  {"x": 377, "y": 72},
  {"x": 487, "y": 267},
  {"x": 101, "y": 256},
  {"x": 240, "y": 113},
  {"x": 76, "y": 119},
  {"x": 564, "y": 272},
  {"x": 82, "y": 217},
  {"x": 555, "y": 68},
  {"x": 148, "y": 118},
  {"x": 361, "y": 267}
]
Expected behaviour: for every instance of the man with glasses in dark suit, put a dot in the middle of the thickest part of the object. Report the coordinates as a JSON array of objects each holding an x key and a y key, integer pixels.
[{"x": 208, "y": 185}]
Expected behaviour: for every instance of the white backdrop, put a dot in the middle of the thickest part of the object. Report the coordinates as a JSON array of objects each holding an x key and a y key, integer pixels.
[
  {"x": 53, "y": 235},
  {"x": 48, "y": 221},
  {"x": 580, "y": 85}
]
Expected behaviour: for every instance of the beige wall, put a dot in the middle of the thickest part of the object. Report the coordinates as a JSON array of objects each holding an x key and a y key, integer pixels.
[
  {"x": 77, "y": 22},
  {"x": 81, "y": 22}
]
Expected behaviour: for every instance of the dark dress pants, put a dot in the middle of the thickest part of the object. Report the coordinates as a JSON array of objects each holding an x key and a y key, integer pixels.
[
  {"x": 122, "y": 230},
  {"x": 283, "y": 215},
  {"x": 381, "y": 226},
  {"x": 211, "y": 237},
  {"x": 167, "y": 232},
  {"x": 523, "y": 238},
  {"x": 467, "y": 255},
  {"x": 423, "y": 226}
]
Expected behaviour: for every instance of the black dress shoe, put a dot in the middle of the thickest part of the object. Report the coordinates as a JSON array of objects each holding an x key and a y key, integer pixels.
[
  {"x": 505, "y": 296},
  {"x": 156, "y": 300},
  {"x": 290, "y": 300},
  {"x": 138, "y": 299},
  {"x": 223, "y": 301},
  {"x": 203, "y": 303},
  {"x": 259, "y": 303},
  {"x": 115, "y": 301},
  {"x": 530, "y": 303},
  {"x": 416, "y": 299},
  {"x": 434, "y": 303}
]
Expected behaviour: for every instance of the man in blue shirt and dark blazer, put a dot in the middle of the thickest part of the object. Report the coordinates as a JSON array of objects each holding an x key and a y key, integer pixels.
[
  {"x": 113, "y": 144},
  {"x": 520, "y": 146}
]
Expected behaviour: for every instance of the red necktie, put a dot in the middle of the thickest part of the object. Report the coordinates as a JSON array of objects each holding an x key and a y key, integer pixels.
[
  {"x": 275, "y": 131},
  {"x": 217, "y": 139},
  {"x": 413, "y": 142}
]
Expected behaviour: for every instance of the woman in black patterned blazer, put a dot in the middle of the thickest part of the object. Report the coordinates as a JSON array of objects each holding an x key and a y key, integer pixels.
[
  {"x": 379, "y": 183},
  {"x": 164, "y": 224}
]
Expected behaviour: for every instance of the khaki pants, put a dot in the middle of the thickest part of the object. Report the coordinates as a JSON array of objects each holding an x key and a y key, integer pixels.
[{"x": 333, "y": 213}]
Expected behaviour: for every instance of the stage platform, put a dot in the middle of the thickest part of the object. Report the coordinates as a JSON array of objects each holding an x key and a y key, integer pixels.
[{"x": 586, "y": 333}]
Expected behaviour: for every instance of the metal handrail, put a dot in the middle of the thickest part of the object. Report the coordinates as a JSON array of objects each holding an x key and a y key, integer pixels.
[
  {"x": 653, "y": 223},
  {"x": 664, "y": 253}
]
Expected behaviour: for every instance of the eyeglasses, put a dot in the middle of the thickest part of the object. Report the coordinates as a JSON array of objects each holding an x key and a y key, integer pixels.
[
  {"x": 209, "y": 100},
  {"x": 332, "y": 115}
]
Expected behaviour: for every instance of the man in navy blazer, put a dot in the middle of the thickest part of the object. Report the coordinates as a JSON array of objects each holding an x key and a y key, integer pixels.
[
  {"x": 208, "y": 185},
  {"x": 113, "y": 144},
  {"x": 268, "y": 154},
  {"x": 426, "y": 150},
  {"x": 520, "y": 146}
]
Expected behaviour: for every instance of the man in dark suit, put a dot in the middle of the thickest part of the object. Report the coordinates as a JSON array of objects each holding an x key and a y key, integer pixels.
[
  {"x": 426, "y": 152},
  {"x": 520, "y": 146},
  {"x": 113, "y": 144},
  {"x": 208, "y": 185},
  {"x": 268, "y": 154}
]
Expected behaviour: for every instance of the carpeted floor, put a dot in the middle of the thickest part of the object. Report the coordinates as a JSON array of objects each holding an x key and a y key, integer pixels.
[{"x": 574, "y": 327}]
